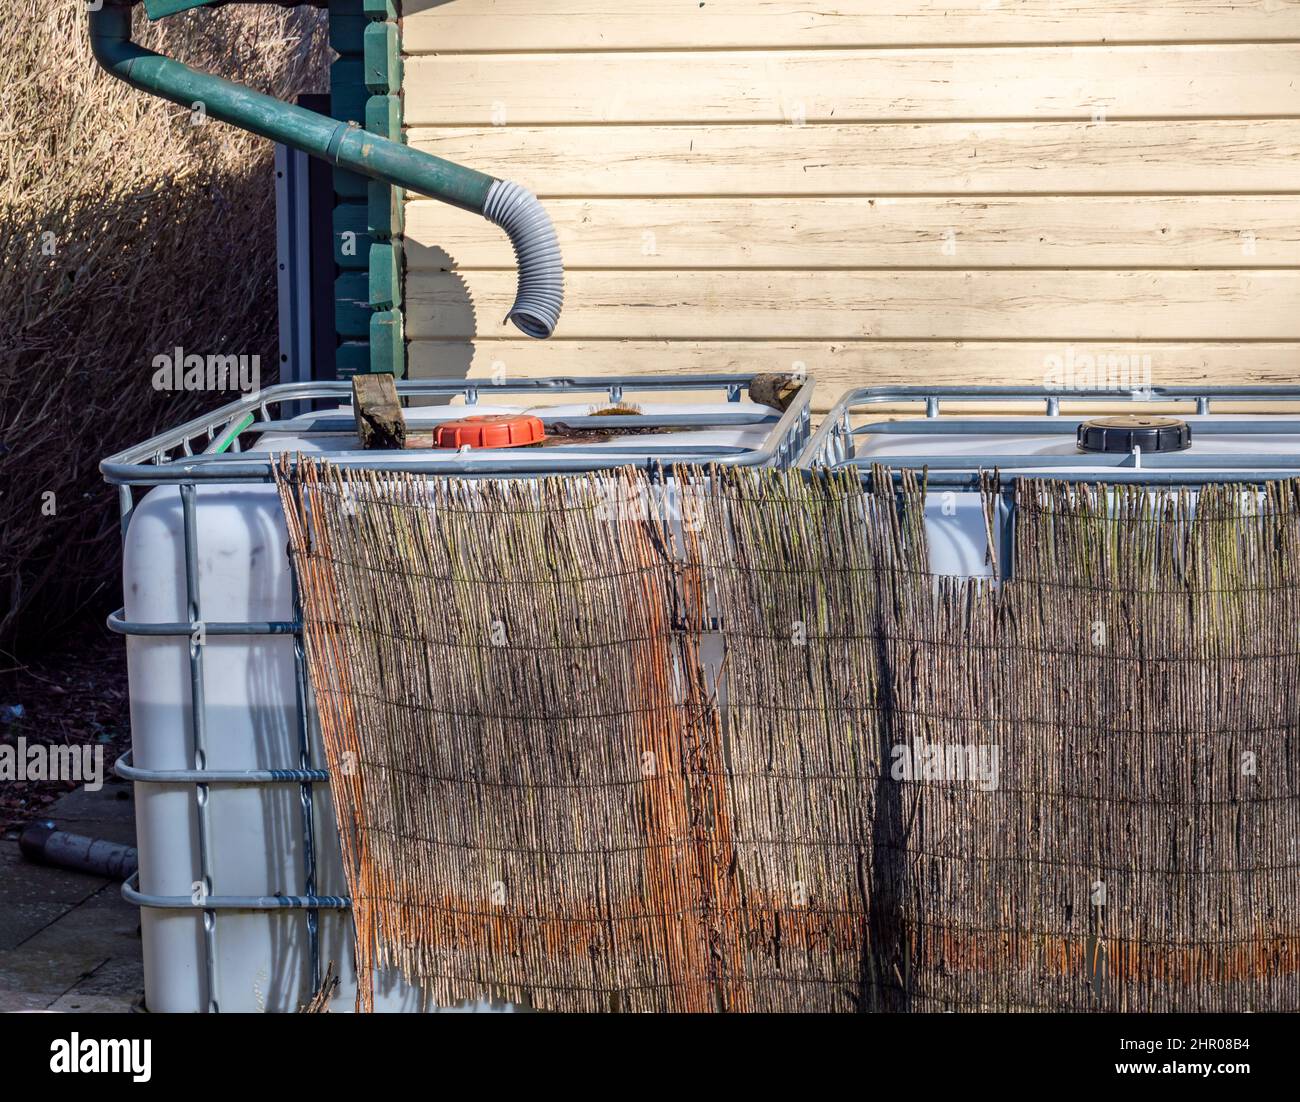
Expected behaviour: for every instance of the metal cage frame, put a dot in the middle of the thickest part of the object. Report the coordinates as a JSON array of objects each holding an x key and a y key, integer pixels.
[
  {"x": 206, "y": 450},
  {"x": 834, "y": 443}
]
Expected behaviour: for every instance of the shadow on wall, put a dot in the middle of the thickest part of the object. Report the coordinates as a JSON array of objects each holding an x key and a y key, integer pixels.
[
  {"x": 453, "y": 308},
  {"x": 411, "y": 7},
  {"x": 451, "y": 305}
]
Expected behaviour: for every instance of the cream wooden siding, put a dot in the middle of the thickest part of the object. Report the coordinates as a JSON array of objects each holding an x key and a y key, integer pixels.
[{"x": 877, "y": 190}]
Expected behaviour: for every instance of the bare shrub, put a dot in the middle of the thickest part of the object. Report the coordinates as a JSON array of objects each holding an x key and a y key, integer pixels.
[{"x": 126, "y": 230}]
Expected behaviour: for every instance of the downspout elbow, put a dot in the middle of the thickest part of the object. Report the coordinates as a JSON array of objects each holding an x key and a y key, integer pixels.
[
  {"x": 110, "y": 33},
  {"x": 540, "y": 296},
  {"x": 513, "y": 208}
]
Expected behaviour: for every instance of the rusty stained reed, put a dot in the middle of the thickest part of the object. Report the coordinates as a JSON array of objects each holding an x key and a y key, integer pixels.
[
  {"x": 506, "y": 725},
  {"x": 614, "y": 742}
]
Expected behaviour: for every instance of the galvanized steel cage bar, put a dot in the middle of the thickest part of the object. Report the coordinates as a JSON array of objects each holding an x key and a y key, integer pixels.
[{"x": 835, "y": 442}]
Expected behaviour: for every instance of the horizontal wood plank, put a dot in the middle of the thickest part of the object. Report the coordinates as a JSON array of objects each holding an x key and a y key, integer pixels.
[
  {"x": 435, "y": 26},
  {"x": 672, "y": 233},
  {"x": 844, "y": 86},
  {"x": 879, "y": 190},
  {"x": 1222, "y": 156},
  {"x": 707, "y": 305},
  {"x": 838, "y": 366}
]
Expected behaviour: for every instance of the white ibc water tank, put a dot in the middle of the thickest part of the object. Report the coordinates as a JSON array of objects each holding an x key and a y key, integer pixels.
[
  {"x": 1153, "y": 436},
  {"x": 241, "y": 885}
]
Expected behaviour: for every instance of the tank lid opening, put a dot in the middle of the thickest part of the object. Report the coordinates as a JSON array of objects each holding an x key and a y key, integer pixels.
[
  {"x": 1128, "y": 431},
  {"x": 498, "y": 430}
]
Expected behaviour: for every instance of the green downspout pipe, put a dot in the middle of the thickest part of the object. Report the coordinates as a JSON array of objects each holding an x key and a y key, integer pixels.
[{"x": 346, "y": 145}]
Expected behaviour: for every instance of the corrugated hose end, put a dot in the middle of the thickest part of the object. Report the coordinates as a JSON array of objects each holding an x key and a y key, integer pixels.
[{"x": 537, "y": 253}]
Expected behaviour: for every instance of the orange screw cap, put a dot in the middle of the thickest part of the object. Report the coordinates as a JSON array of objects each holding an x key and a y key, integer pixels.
[{"x": 496, "y": 430}]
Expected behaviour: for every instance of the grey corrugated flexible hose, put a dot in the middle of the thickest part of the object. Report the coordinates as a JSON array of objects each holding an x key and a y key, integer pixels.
[{"x": 537, "y": 253}]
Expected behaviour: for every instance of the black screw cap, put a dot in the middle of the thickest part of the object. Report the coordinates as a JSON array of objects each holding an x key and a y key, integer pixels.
[{"x": 1124, "y": 433}]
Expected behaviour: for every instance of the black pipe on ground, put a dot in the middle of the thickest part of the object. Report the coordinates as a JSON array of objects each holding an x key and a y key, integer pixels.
[{"x": 44, "y": 844}]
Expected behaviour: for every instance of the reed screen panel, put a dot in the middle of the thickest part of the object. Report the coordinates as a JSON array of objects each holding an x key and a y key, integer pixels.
[{"x": 721, "y": 741}]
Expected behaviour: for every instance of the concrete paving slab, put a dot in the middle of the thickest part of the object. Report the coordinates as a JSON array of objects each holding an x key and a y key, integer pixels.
[
  {"x": 68, "y": 941},
  {"x": 76, "y": 1003},
  {"x": 32, "y": 898},
  {"x": 108, "y": 813},
  {"x": 16, "y": 1001},
  {"x": 112, "y": 978}
]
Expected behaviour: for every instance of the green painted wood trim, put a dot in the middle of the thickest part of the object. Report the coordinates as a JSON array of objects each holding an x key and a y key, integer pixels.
[
  {"x": 351, "y": 235},
  {"x": 347, "y": 33},
  {"x": 384, "y": 116},
  {"x": 348, "y": 20},
  {"x": 383, "y": 60},
  {"x": 349, "y": 187},
  {"x": 383, "y": 76},
  {"x": 348, "y": 95},
  {"x": 352, "y": 305},
  {"x": 348, "y": 92},
  {"x": 387, "y": 343},
  {"x": 352, "y": 358},
  {"x": 385, "y": 276},
  {"x": 387, "y": 215}
]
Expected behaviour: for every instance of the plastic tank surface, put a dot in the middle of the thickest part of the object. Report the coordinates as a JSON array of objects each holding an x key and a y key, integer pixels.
[
  {"x": 242, "y": 893},
  {"x": 950, "y": 436}
]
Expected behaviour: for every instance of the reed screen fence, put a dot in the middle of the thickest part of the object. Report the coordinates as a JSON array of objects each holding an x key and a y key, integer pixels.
[{"x": 722, "y": 741}]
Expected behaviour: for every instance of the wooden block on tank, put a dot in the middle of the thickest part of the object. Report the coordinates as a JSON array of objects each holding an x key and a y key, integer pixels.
[{"x": 378, "y": 411}]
